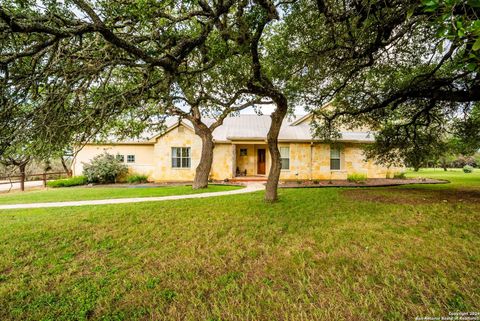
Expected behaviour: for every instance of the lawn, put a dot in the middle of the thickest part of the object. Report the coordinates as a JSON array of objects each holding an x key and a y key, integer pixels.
[
  {"x": 317, "y": 254},
  {"x": 94, "y": 193},
  {"x": 456, "y": 176}
]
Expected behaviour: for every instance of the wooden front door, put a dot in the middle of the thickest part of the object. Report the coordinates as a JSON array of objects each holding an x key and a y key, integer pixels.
[{"x": 261, "y": 161}]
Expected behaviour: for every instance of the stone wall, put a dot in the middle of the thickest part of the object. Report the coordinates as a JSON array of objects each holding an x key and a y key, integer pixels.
[
  {"x": 307, "y": 161},
  {"x": 143, "y": 156}
]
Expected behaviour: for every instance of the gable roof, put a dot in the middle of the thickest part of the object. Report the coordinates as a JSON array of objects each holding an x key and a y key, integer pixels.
[{"x": 255, "y": 128}]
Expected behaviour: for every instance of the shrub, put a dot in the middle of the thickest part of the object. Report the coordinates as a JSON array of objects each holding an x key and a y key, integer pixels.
[
  {"x": 66, "y": 182},
  {"x": 400, "y": 175},
  {"x": 463, "y": 161},
  {"x": 467, "y": 169},
  {"x": 316, "y": 181},
  {"x": 104, "y": 168},
  {"x": 137, "y": 179},
  {"x": 357, "y": 177}
]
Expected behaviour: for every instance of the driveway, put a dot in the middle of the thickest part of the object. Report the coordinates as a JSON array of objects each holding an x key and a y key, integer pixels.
[{"x": 6, "y": 186}]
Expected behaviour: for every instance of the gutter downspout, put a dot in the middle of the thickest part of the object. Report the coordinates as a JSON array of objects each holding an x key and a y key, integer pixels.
[{"x": 311, "y": 160}]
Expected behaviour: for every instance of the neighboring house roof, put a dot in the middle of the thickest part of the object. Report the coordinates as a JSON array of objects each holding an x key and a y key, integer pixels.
[{"x": 254, "y": 127}]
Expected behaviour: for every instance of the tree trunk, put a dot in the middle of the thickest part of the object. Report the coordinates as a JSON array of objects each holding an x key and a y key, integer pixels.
[
  {"x": 67, "y": 170},
  {"x": 444, "y": 164},
  {"x": 202, "y": 171},
  {"x": 272, "y": 139},
  {"x": 22, "y": 176}
]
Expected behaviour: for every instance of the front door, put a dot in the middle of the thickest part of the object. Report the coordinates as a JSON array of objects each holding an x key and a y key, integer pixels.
[{"x": 261, "y": 161}]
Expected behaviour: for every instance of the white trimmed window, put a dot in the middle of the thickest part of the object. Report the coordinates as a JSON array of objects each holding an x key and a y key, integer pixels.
[
  {"x": 120, "y": 158},
  {"x": 181, "y": 157},
  {"x": 334, "y": 159},
  {"x": 285, "y": 157},
  {"x": 130, "y": 158}
]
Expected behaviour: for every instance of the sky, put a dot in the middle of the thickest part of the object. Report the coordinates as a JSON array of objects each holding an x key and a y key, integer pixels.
[{"x": 268, "y": 109}]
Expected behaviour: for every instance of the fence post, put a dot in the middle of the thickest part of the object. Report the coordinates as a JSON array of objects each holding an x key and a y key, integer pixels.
[
  {"x": 22, "y": 181},
  {"x": 44, "y": 177}
]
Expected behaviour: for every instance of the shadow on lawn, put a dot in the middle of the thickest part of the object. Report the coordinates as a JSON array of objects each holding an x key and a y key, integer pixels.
[{"x": 414, "y": 196}]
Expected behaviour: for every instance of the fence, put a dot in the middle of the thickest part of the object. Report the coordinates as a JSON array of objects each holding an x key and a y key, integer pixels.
[{"x": 22, "y": 178}]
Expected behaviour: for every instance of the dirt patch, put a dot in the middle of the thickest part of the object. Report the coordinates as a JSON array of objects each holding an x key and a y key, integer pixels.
[
  {"x": 371, "y": 182},
  {"x": 414, "y": 196}
]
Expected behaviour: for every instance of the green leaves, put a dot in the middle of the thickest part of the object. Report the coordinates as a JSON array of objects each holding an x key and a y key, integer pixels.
[
  {"x": 476, "y": 45},
  {"x": 430, "y": 5}
]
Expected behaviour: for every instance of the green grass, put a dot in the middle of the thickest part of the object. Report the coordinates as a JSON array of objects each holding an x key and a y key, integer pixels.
[
  {"x": 93, "y": 193},
  {"x": 317, "y": 254},
  {"x": 455, "y": 175}
]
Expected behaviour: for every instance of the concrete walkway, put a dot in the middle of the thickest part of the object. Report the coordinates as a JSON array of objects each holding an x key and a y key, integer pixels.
[{"x": 253, "y": 187}]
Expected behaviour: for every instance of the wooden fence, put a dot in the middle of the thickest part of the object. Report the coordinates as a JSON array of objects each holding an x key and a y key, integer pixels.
[{"x": 22, "y": 178}]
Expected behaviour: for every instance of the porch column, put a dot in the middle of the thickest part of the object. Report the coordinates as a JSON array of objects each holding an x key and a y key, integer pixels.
[{"x": 234, "y": 160}]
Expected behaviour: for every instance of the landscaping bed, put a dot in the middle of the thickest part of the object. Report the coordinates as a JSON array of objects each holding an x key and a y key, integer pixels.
[
  {"x": 367, "y": 183},
  {"x": 160, "y": 184}
]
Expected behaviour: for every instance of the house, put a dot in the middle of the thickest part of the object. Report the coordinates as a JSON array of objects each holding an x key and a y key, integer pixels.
[{"x": 241, "y": 150}]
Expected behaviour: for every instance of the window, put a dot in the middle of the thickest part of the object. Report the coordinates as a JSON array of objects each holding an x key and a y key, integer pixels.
[
  {"x": 285, "y": 157},
  {"x": 120, "y": 158},
  {"x": 334, "y": 158},
  {"x": 130, "y": 158},
  {"x": 181, "y": 157},
  {"x": 243, "y": 152}
]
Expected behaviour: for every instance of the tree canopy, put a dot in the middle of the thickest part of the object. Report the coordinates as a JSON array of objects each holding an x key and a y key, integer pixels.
[{"x": 407, "y": 69}]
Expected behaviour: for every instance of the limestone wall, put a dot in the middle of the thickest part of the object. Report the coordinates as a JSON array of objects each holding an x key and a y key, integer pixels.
[
  {"x": 313, "y": 162},
  {"x": 143, "y": 164},
  {"x": 307, "y": 161}
]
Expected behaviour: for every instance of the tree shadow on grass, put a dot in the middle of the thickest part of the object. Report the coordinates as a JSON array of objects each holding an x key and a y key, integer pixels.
[{"x": 414, "y": 196}]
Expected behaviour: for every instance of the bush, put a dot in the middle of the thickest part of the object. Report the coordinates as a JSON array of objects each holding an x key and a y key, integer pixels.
[
  {"x": 463, "y": 161},
  {"x": 137, "y": 179},
  {"x": 357, "y": 177},
  {"x": 467, "y": 169},
  {"x": 399, "y": 175},
  {"x": 66, "y": 182},
  {"x": 103, "y": 169}
]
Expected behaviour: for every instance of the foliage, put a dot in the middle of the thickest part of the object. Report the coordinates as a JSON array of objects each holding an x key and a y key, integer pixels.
[
  {"x": 67, "y": 182},
  {"x": 399, "y": 175},
  {"x": 137, "y": 179},
  {"x": 103, "y": 169},
  {"x": 467, "y": 169},
  {"x": 397, "y": 64},
  {"x": 462, "y": 161},
  {"x": 357, "y": 177},
  {"x": 423, "y": 91},
  {"x": 466, "y": 132},
  {"x": 395, "y": 145}
]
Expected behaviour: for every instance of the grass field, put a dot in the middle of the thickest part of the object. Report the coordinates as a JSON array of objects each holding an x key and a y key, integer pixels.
[
  {"x": 317, "y": 254},
  {"x": 456, "y": 176},
  {"x": 94, "y": 193}
]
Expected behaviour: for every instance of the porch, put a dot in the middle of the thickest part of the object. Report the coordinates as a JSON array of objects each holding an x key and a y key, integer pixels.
[{"x": 250, "y": 161}]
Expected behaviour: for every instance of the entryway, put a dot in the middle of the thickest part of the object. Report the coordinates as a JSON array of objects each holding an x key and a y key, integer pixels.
[{"x": 261, "y": 161}]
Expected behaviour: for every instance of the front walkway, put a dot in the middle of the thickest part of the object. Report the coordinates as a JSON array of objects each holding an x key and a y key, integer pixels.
[{"x": 254, "y": 187}]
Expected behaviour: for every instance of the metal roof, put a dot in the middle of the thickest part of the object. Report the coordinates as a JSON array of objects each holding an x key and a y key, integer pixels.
[{"x": 255, "y": 127}]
